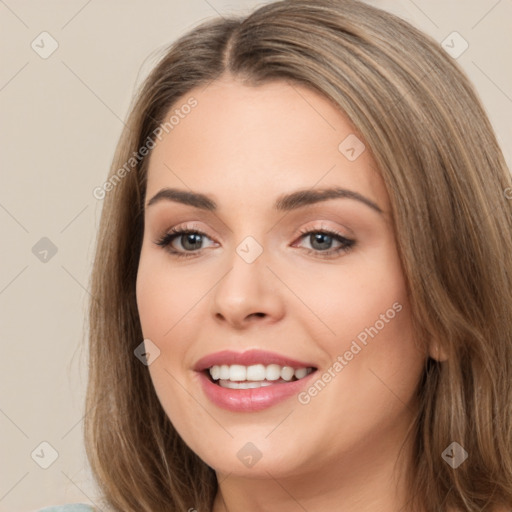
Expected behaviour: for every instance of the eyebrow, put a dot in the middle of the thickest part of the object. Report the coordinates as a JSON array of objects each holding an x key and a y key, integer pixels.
[{"x": 286, "y": 202}]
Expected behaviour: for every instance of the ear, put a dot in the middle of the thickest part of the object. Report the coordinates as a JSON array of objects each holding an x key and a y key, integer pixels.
[{"x": 437, "y": 352}]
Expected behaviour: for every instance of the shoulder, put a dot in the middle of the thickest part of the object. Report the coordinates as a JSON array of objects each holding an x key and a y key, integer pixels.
[{"x": 71, "y": 507}]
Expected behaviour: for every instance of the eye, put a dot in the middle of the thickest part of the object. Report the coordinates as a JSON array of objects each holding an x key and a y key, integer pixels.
[
  {"x": 189, "y": 239},
  {"x": 321, "y": 241}
]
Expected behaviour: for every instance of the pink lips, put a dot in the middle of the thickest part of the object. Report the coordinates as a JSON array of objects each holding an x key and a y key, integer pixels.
[
  {"x": 255, "y": 399},
  {"x": 252, "y": 400}
]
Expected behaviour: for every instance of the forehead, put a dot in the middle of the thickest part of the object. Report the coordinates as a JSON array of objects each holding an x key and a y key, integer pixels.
[{"x": 241, "y": 141}]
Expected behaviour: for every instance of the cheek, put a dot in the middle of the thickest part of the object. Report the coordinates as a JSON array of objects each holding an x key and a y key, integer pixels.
[
  {"x": 165, "y": 306},
  {"x": 353, "y": 299},
  {"x": 367, "y": 312},
  {"x": 381, "y": 358},
  {"x": 163, "y": 296},
  {"x": 376, "y": 305}
]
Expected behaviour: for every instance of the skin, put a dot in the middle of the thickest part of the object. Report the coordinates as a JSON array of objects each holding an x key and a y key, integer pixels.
[{"x": 245, "y": 146}]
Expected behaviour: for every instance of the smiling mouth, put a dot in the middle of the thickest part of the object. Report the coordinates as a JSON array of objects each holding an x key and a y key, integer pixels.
[{"x": 254, "y": 376}]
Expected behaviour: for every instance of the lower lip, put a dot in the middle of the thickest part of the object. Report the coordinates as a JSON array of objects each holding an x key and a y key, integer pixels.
[{"x": 251, "y": 400}]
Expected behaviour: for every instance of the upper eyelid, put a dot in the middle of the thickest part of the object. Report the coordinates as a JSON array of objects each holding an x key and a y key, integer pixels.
[{"x": 301, "y": 232}]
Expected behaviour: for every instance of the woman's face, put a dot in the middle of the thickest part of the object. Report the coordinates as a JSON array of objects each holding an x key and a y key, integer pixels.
[{"x": 315, "y": 280}]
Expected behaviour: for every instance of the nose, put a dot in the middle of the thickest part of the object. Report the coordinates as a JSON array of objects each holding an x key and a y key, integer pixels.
[{"x": 248, "y": 293}]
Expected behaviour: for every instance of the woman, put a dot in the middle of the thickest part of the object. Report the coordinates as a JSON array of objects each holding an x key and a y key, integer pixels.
[{"x": 302, "y": 285}]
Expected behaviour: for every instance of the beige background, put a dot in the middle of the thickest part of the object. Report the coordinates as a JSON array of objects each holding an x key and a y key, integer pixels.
[{"x": 60, "y": 120}]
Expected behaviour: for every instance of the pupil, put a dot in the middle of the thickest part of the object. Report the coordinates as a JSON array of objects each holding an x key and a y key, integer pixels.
[
  {"x": 318, "y": 238},
  {"x": 193, "y": 238}
]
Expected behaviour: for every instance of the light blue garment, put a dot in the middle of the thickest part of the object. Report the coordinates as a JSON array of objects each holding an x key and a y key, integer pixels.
[{"x": 72, "y": 507}]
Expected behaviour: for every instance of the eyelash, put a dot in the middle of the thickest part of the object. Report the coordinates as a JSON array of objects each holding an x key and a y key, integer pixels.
[{"x": 166, "y": 240}]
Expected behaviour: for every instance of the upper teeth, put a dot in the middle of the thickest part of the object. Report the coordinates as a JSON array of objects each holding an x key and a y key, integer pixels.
[{"x": 257, "y": 372}]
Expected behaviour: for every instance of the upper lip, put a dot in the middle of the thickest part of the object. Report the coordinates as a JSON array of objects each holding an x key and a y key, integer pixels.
[{"x": 247, "y": 358}]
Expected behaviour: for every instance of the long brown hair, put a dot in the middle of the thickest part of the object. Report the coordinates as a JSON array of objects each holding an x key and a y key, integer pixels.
[{"x": 450, "y": 192}]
